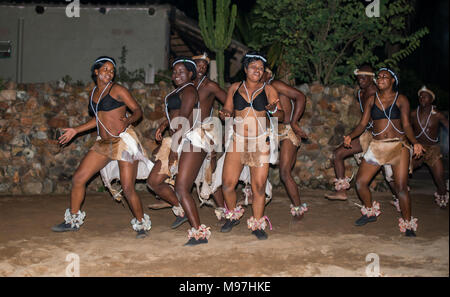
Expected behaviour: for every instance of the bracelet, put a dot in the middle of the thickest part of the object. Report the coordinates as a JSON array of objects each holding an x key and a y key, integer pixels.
[{"x": 272, "y": 112}]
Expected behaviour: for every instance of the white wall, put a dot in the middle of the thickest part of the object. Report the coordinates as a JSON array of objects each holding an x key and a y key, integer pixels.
[{"x": 55, "y": 45}]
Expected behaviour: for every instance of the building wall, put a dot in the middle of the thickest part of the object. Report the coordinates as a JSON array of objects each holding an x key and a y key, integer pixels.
[{"x": 55, "y": 45}]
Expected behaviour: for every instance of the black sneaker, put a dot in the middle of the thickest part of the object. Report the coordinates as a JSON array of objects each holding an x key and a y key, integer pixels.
[
  {"x": 141, "y": 234},
  {"x": 260, "y": 234},
  {"x": 63, "y": 227},
  {"x": 229, "y": 224},
  {"x": 194, "y": 241},
  {"x": 364, "y": 220},
  {"x": 179, "y": 221},
  {"x": 410, "y": 233}
]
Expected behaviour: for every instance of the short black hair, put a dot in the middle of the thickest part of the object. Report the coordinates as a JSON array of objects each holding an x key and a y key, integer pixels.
[
  {"x": 190, "y": 66},
  {"x": 97, "y": 65}
]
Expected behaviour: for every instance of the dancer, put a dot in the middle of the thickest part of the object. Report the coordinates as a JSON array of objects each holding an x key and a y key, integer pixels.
[
  {"x": 389, "y": 146},
  {"x": 250, "y": 144},
  {"x": 289, "y": 136},
  {"x": 364, "y": 76},
  {"x": 425, "y": 121},
  {"x": 179, "y": 103},
  {"x": 116, "y": 140},
  {"x": 208, "y": 90}
]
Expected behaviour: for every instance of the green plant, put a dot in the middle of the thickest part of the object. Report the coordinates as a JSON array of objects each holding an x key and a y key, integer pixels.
[
  {"x": 326, "y": 40},
  {"x": 125, "y": 75},
  {"x": 217, "y": 32}
]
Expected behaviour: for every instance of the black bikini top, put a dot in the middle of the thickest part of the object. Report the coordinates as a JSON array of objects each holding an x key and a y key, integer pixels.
[
  {"x": 259, "y": 103},
  {"x": 174, "y": 101},
  {"x": 392, "y": 111},
  {"x": 107, "y": 103}
]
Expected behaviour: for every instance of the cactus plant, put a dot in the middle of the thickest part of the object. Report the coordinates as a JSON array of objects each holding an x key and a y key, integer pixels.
[{"x": 216, "y": 33}]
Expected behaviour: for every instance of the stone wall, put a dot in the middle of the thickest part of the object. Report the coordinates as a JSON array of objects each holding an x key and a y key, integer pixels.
[{"x": 32, "y": 161}]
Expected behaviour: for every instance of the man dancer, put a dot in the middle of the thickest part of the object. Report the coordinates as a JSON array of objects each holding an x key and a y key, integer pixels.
[
  {"x": 426, "y": 120},
  {"x": 289, "y": 136},
  {"x": 364, "y": 76}
]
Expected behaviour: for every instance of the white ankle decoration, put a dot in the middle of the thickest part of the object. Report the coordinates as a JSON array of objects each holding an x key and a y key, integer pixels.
[
  {"x": 145, "y": 224},
  {"x": 373, "y": 211},
  {"x": 260, "y": 224},
  {"x": 342, "y": 183},
  {"x": 75, "y": 220},
  {"x": 410, "y": 225},
  {"x": 178, "y": 211},
  {"x": 441, "y": 200},
  {"x": 298, "y": 210},
  {"x": 201, "y": 233},
  {"x": 234, "y": 214},
  {"x": 220, "y": 212}
]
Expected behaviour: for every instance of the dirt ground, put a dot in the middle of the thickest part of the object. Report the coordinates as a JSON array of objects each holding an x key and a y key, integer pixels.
[{"x": 324, "y": 243}]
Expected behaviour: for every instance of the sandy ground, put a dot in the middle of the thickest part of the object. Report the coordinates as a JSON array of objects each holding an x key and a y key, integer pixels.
[{"x": 324, "y": 243}]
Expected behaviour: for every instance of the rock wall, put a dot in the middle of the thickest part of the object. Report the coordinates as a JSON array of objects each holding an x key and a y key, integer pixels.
[{"x": 32, "y": 161}]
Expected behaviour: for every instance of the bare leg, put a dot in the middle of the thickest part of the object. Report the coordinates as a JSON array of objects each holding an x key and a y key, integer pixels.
[
  {"x": 128, "y": 172},
  {"x": 92, "y": 163},
  {"x": 364, "y": 176},
  {"x": 288, "y": 152},
  {"x": 438, "y": 175},
  {"x": 401, "y": 182},
  {"x": 340, "y": 154},
  {"x": 259, "y": 179},
  {"x": 156, "y": 181},
  {"x": 188, "y": 168}
]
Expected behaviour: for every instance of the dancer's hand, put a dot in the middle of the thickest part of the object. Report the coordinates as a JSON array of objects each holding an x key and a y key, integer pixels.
[
  {"x": 418, "y": 151},
  {"x": 124, "y": 123},
  {"x": 160, "y": 130},
  {"x": 272, "y": 106},
  {"x": 299, "y": 132},
  {"x": 224, "y": 114},
  {"x": 347, "y": 141},
  {"x": 68, "y": 134}
]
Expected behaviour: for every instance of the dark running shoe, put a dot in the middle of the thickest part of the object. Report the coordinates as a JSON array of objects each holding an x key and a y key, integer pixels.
[
  {"x": 260, "y": 234},
  {"x": 229, "y": 224},
  {"x": 364, "y": 220},
  {"x": 410, "y": 233},
  {"x": 179, "y": 221},
  {"x": 194, "y": 241},
  {"x": 141, "y": 234},
  {"x": 63, "y": 227}
]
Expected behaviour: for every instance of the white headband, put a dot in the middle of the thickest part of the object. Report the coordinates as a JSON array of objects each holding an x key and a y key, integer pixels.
[
  {"x": 358, "y": 72},
  {"x": 184, "y": 60},
  {"x": 391, "y": 72},
  {"x": 105, "y": 59},
  {"x": 257, "y": 56},
  {"x": 424, "y": 89}
]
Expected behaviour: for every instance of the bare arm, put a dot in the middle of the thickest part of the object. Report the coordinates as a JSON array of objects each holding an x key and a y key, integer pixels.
[
  {"x": 274, "y": 103},
  {"x": 70, "y": 133},
  {"x": 405, "y": 114},
  {"x": 228, "y": 107},
  {"x": 129, "y": 101},
  {"x": 219, "y": 93},
  {"x": 359, "y": 129}
]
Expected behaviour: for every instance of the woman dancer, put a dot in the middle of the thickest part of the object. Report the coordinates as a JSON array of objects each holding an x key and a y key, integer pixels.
[
  {"x": 116, "y": 140},
  {"x": 249, "y": 101},
  {"x": 389, "y": 111},
  {"x": 176, "y": 155}
]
